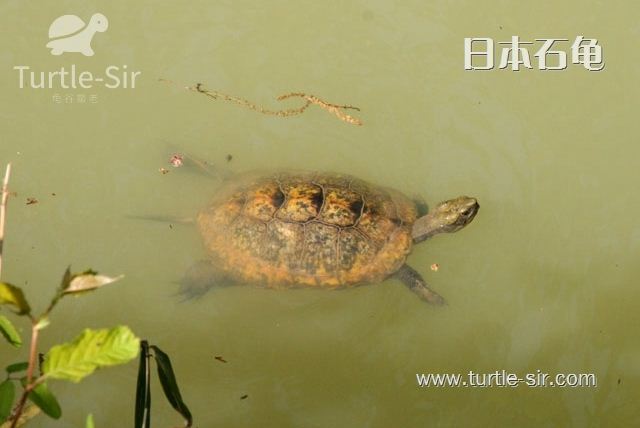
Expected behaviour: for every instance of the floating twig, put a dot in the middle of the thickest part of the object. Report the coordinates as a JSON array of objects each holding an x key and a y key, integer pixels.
[
  {"x": 336, "y": 109},
  {"x": 3, "y": 209},
  {"x": 332, "y": 108}
]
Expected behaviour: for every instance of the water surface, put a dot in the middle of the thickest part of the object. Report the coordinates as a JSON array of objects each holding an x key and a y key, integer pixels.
[{"x": 544, "y": 279}]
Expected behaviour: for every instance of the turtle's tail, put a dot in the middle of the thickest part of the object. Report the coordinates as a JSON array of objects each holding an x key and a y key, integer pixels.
[{"x": 164, "y": 218}]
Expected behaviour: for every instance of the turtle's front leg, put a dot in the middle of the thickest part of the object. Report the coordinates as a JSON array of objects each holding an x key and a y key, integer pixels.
[{"x": 412, "y": 279}]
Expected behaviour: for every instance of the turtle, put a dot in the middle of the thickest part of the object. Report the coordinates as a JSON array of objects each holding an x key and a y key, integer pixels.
[
  {"x": 69, "y": 33},
  {"x": 321, "y": 230}
]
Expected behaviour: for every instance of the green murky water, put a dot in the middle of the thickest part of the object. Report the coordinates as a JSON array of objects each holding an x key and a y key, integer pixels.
[{"x": 544, "y": 279}]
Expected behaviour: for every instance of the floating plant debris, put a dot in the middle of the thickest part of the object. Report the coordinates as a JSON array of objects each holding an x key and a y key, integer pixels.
[
  {"x": 176, "y": 160},
  {"x": 336, "y": 109},
  {"x": 220, "y": 358},
  {"x": 31, "y": 201}
]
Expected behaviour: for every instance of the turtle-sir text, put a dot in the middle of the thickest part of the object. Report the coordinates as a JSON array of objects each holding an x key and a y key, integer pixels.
[{"x": 115, "y": 77}]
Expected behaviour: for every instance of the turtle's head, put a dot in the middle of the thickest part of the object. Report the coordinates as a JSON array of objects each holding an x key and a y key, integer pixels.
[
  {"x": 449, "y": 216},
  {"x": 99, "y": 22}
]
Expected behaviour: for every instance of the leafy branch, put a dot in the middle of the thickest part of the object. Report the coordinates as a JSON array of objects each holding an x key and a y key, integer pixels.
[{"x": 71, "y": 361}]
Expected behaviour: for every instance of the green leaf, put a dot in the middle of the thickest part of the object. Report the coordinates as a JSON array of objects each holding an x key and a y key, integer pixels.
[
  {"x": 43, "y": 398},
  {"x": 17, "y": 367},
  {"x": 7, "y": 394},
  {"x": 143, "y": 391},
  {"x": 89, "y": 423},
  {"x": 9, "y": 332},
  {"x": 79, "y": 283},
  {"x": 90, "y": 350},
  {"x": 88, "y": 280},
  {"x": 170, "y": 385},
  {"x": 13, "y": 296}
]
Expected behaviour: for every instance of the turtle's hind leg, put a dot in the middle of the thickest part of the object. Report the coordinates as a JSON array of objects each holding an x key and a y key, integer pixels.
[
  {"x": 412, "y": 279},
  {"x": 200, "y": 278}
]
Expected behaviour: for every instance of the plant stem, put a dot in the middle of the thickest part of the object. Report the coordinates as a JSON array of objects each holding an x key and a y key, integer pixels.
[
  {"x": 3, "y": 209},
  {"x": 30, "y": 412},
  {"x": 16, "y": 419},
  {"x": 33, "y": 354}
]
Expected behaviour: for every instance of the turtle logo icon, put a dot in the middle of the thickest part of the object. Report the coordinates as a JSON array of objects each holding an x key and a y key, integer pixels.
[{"x": 69, "y": 33}]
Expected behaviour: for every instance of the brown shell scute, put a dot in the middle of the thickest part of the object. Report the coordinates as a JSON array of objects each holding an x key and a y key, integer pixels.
[
  {"x": 326, "y": 230},
  {"x": 263, "y": 202},
  {"x": 342, "y": 207},
  {"x": 302, "y": 202},
  {"x": 319, "y": 255}
]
